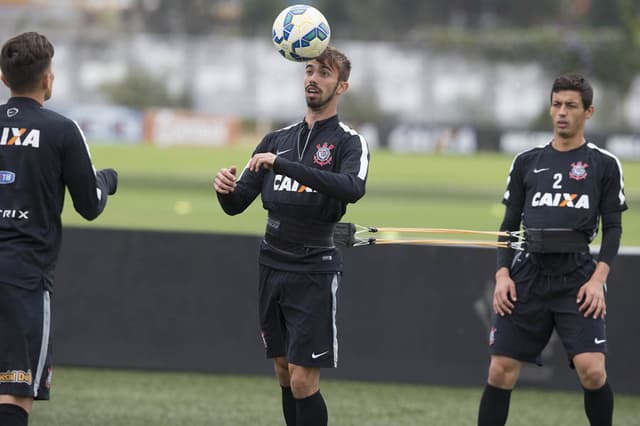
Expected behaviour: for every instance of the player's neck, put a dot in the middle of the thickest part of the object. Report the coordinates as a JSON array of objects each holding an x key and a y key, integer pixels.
[
  {"x": 567, "y": 144},
  {"x": 314, "y": 115},
  {"x": 36, "y": 96}
]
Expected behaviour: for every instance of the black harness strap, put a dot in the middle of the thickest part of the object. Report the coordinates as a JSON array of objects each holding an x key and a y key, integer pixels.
[
  {"x": 556, "y": 241},
  {"x": 290, "y": 230}
]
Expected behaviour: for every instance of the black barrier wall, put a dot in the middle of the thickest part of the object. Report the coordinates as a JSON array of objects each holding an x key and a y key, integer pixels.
[{"x": 188, "y": 302}]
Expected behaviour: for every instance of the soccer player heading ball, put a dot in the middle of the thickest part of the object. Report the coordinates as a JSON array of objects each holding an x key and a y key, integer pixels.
[
  {"x": 560, "y": 192},
  {"x": 306, "y": 173},
  {"x": 41, "y": 153}
]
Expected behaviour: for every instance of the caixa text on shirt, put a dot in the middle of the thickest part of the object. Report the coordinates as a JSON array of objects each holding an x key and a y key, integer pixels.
[
  {"x": 14, "y": 214},
  {"x": 285, "y": 183},
  {"x": 558, "y": 199},
  {"x": 20, "y": 137}
]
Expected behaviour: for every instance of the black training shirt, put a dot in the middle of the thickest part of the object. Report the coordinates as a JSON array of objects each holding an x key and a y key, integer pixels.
[
  {"x": 41, "y": 153},
  {"x": 317, "y": 173},
  {"x": 573, "y": 189}
]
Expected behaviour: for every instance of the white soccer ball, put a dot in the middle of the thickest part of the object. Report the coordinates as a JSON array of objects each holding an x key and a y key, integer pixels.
[{"x": 300, "y": 33}]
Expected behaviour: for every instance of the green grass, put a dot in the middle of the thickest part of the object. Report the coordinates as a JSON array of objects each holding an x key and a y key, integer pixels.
[
  {"x": 88, "y": 397},
  {"x": 171, "y": 189}
]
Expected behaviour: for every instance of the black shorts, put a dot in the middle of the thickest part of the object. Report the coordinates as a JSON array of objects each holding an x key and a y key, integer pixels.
[
  {"x": 298, "y": 316},
  {"x": 25, "y": 320},
  {"x": 545, "y": 302}
]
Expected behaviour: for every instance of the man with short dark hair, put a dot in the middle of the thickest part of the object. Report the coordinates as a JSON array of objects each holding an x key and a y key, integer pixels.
[
  {"x": 41, "y": 153},
  {"x": 560, "y": 192},
  {"x": 306, "y": 173}
]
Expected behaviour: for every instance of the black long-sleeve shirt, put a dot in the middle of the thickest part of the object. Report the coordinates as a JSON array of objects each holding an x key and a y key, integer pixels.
[
  {"x": 41, "y": 153},
  {"x": 317, "y": 173},
  {"x": 569, "y": 190}
]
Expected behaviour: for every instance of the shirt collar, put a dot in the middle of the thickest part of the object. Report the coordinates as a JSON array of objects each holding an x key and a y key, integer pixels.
[{"x": 322, "y": 123}]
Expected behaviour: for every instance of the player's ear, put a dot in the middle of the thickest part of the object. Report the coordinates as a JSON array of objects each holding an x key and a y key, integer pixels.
[
  {"x": 343, "y": 86},
  {"x": 47, "y": 79},
  {"x": 4, "y": 80},
  {"x": 589, "y": 112}
]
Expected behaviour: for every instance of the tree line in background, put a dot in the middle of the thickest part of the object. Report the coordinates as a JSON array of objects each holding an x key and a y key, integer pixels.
[
  {"x": 375, "y": 18},
  {"x": 598, "y": 37}
]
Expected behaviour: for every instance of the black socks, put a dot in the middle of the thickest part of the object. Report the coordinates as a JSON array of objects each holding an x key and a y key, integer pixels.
[
  {"x": 598, "y": 405},
  {"x": 494, "y": 406},
  {"x": 309, "y": 411},
  {"x": 288, "y": 406},
  {"x": 13, "y": 415},
  {"x": 312, "y": 411}
]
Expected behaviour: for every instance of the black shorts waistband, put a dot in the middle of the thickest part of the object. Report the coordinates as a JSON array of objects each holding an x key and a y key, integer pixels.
[
  {"x": 556, "y": 241},
  {"x": 292, "y": 231}
]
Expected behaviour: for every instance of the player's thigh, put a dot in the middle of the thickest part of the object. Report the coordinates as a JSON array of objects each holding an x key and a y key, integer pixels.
[
  {"x": 309, "y": 307},
  {"x": 524, "y": 333},
  {"x": 272, "y": 325},
  {"x": 579, "y": 334}
]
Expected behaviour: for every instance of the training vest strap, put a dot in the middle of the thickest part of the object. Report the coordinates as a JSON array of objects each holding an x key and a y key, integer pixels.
[{"x": 556, "y": 241}]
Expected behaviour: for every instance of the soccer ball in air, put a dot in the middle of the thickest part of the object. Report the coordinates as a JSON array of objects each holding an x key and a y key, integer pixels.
[{"x": 300, "y": 33}]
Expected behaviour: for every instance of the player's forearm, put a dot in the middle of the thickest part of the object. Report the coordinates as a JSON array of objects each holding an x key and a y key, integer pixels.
[
  {"x": 511, "y": 222},
  {"x": 611, "y": 234},
  {"x": 247, "y": 187},
  {"x": 89, "y": 191},
  {"x": 343, "y": 186},
  {"x": 233, "y": 203}
]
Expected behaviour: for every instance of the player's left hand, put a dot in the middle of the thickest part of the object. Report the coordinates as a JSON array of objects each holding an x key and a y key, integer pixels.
[
  {"x": 262, "y": 160},
  {"x": 591, "y": 299}
]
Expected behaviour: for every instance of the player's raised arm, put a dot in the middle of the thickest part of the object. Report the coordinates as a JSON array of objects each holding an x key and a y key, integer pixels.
[
  {"x": 88, "y": 189},
  {"x": 348, "y": 184}
]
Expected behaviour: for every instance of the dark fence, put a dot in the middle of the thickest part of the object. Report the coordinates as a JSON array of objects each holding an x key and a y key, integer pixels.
[{"x": 188, "y": 302}]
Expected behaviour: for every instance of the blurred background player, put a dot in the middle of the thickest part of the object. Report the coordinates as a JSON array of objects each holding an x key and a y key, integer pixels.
[
  {"x": 560, "y": 191},
  {"x": 41, "y": 153},
  {"x": 306, "y": 173}
]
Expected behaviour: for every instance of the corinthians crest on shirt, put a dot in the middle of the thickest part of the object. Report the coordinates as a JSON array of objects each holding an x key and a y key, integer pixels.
[
  {"x": 323, "y": 156},
  {"x": 578, "y": 170}
]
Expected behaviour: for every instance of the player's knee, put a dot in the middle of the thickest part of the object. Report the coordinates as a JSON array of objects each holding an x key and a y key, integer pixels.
[
  {"x": 591, "y": 370},
  {"x": 592, "y": 377},
  {"x": 304, "y": 382},
  {"x": 302, "y": 387},
  {"x": 503, "y": 372}
]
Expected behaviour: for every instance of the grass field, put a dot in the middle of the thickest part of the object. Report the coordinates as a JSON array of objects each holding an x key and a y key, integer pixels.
[
  {"x": 86, "y": 397},
  {"x": 171, "y": 188}
]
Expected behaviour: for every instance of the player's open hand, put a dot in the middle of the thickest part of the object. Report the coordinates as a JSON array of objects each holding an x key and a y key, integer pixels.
[
  {"x": 262, "y": 160},
  {"x": 504, "y": 295},
  {"x": 225, "y": 181},
  {"x": 591, "y": 299}
]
